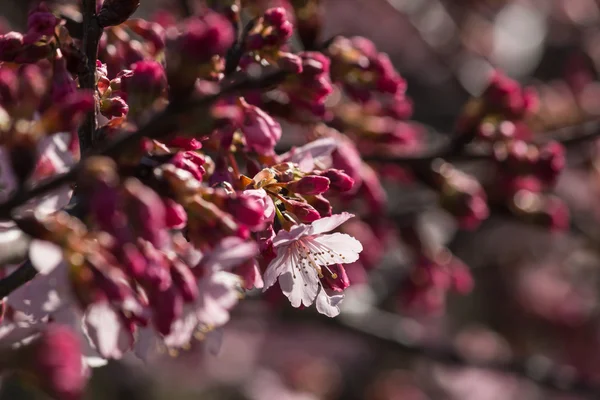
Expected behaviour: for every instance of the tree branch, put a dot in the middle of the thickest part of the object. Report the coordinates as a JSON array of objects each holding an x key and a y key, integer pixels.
[{"x": 87, "y": 78}]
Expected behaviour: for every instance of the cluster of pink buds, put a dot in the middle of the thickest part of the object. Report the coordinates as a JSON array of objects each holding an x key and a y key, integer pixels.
[
  {"x": 120, "y": 46},
  {"x": 500, "y": 112},
  {"x": 425, "y": 288},
  {"x": 267, "y": 38},
  {"x": 362, "y": 70},
  {"x": 193, "y": 51},
  {"x": 37, "y": 42},
  {"x": 461, "y": 195}
]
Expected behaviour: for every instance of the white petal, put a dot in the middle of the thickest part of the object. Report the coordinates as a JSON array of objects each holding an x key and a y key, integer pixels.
[
  {"x": 284, "y": 237},
  {"x": 220, "y": 292},
  {"x": 329, "y": 305},
  {"x": 300, "y": 284},
  {"x": 182, "y": 330},
  {"x": 328, "y": 224},
  {"x": 104, "y": 329},
  {"x": 339, "y": 248},
  {"x": 281, "y": 264},
  {"x": 45, "y": 256},
  {"x": 320, "y": 148}
]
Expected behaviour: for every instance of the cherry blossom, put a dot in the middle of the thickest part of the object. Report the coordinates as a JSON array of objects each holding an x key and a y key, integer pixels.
[{"x": 303, "y": 256}]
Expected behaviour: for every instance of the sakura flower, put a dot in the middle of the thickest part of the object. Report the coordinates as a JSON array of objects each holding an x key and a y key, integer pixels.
[{"x": 304, "y": 254}]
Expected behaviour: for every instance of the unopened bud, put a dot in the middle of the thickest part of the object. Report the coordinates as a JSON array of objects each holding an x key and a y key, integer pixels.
[
  {"x": 303, "y": 211},
  {"x": 339, "y": 180},
  {"x": 309, "y": 185},
  {"x": 55, "y": 361}
]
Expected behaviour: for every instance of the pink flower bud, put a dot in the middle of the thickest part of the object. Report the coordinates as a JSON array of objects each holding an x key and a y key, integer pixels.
[
  {"x": 309, "y": 185},
  {"x": 185, "y": 143},
  {"x": 290, "y": 62},
  {"x": 167, "y": 306},
  {"x": 175, "y": 215},
  {"x": 260, "y": 130},
  {"x": 114, "y": 107},
  {"x": 264, "y": 202},
  {"x": 463, "y": 196},
  {"x": 184, "y": 280},
  {"x": 42, "y": 22},
  {"x": 246, "y": 210},
  {"x": 339, "y": 180},
  {"x": 146, "y": 211},
  {"x": 321, "y": 204},
  {"x": 303, "y": 211},
  {"x": 144, "y": 84},
  {"x": 203, "y": 38},
  {"x": 191, "y": 162},
  {"x": 275, "y": 16},
  {"x": 335, "y": 278},
  {"x": 62, "y": 82},
  {"x": 551, "y": 162},
  {"x": 55, "y": 360},
  {"x": 11, "y": 44}
]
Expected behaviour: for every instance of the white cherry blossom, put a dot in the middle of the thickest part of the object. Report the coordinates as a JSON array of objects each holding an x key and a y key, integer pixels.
[{"x": 303, "y": 256}]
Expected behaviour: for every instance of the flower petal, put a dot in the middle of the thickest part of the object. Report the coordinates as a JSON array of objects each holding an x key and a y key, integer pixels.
[
  {"x": 104, "y": 328},
  {"x": 329, "y": 304},
  {"x": 281, "y": 264},
  {"x": 328, "y": 224},
  {"x": 45, "y": 256},
  {"x": 219, "y": 293},
  {"x": 284, "y": 237},
  {"x": 299, "y": 284},
  {"x": 230, "y": 252},
  {"x": 182, "y": 329},
  {"x": 340, "y": 248}
]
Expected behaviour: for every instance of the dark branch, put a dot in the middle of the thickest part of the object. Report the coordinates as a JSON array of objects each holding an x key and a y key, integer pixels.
[
  {"x": 87, "y": 78},
  {"x": 22, "y": 275}
]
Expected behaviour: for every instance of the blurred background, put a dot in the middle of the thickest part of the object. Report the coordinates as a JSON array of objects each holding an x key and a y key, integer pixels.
[{"x": 536, "y": 293}]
